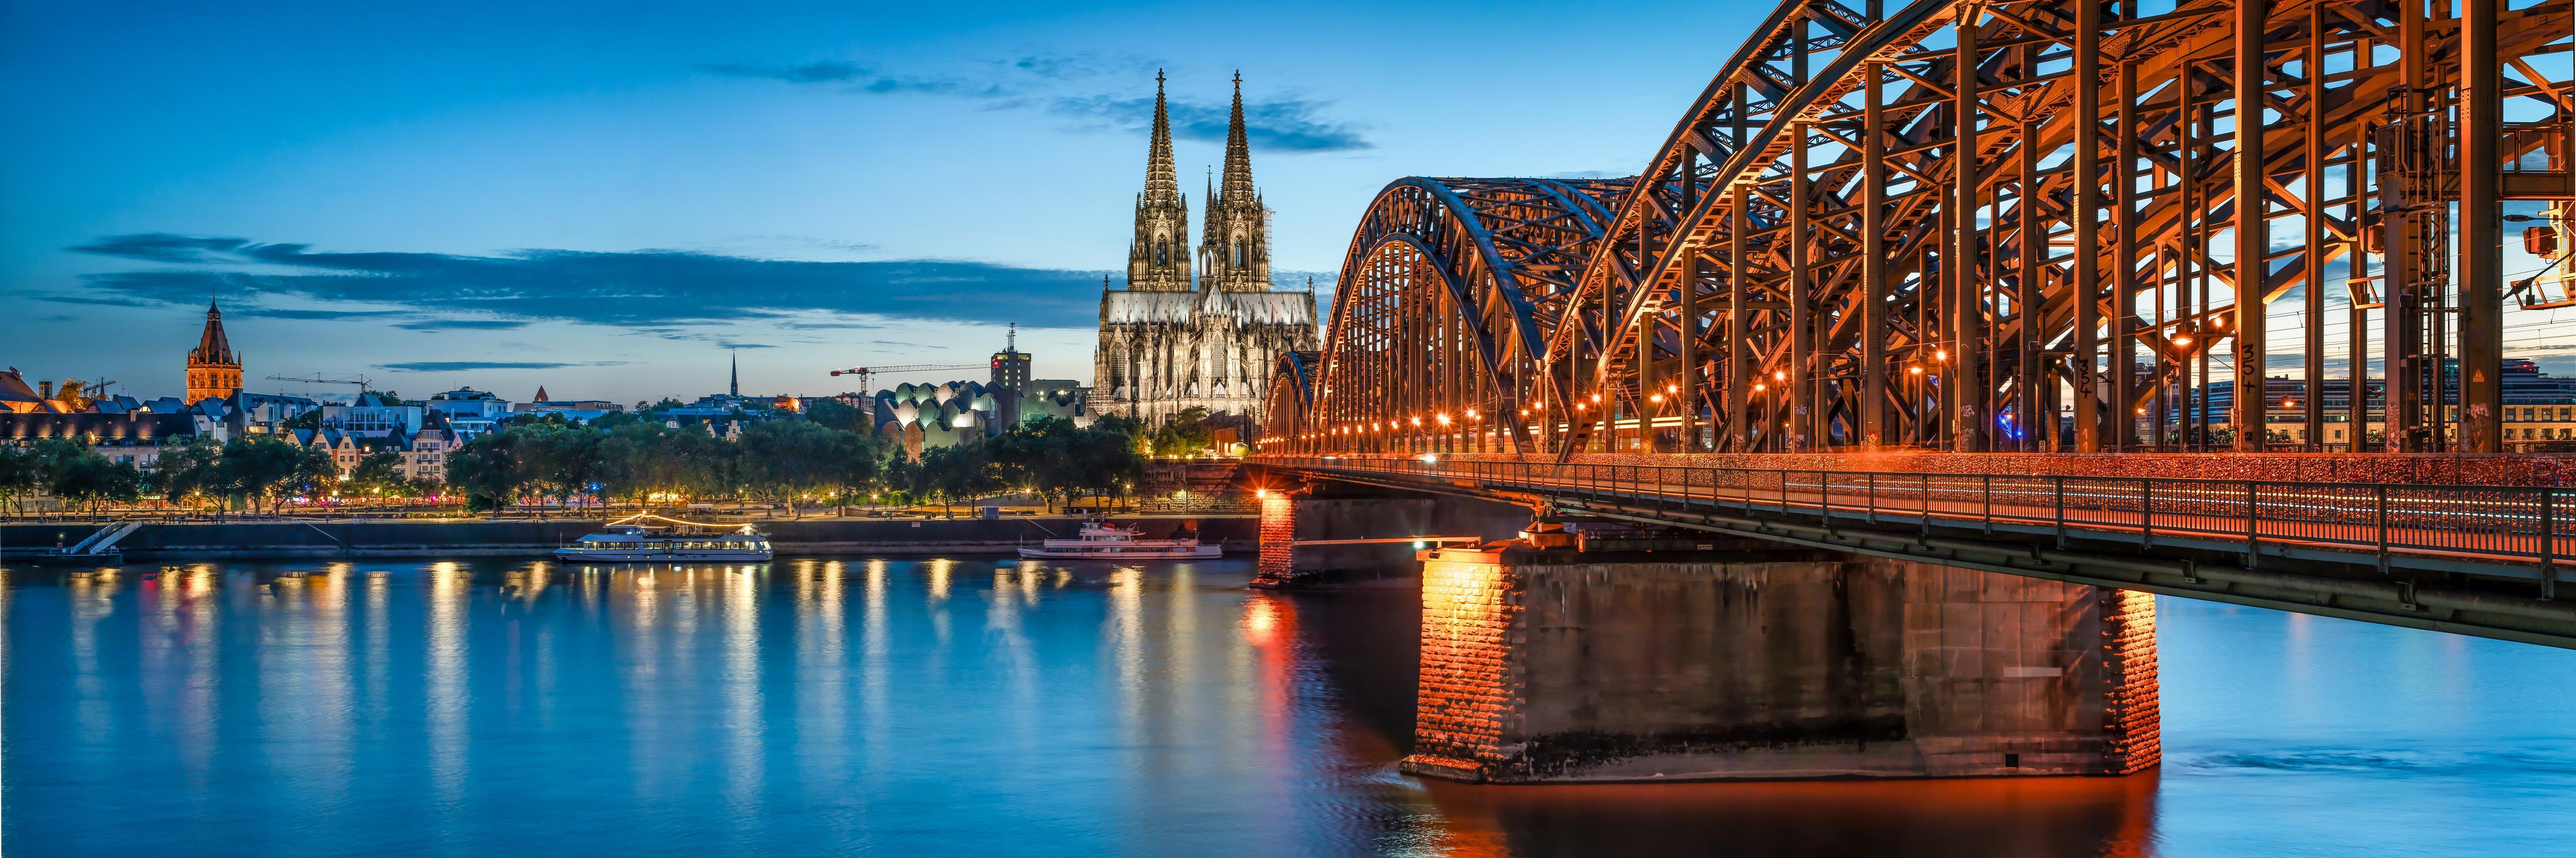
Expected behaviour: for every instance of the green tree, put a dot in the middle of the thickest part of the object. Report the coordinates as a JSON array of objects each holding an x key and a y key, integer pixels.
[
  {"x": 1187, "y": 434},
  {"x": 378, "y": 473},
  {"x": 956, "y": 474},
  {"x": 1109, "y": 461},
  {"x": 1039, "y": 456},
  {"x": 857, "y": 464},
  {"x": 641, "y": 460},
  {"x": 559, "y": 460},
  {"x": 833, "y": 414},
  {"x": 628, "y": 453},
  {"x": 488, "y": 472},
  {"x": 262, "y": 469},
  {"x": 792, "y": 458},
  {"x": 21, "y": 472},
  {"x": 91, "y": 480},
  {"x": 186, "y": 475}
]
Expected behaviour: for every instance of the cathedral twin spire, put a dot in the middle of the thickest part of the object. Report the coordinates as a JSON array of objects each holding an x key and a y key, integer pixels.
[
  {"x": 1234, "y": 246},
  {"x": 1238, "y": 151},
  {"x": 1159, "y": 260},
  {"x": 1161, "y": 183}
]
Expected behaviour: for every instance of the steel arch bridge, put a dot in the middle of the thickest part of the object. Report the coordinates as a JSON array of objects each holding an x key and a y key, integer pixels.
[
  {"x": 1448, "y": 294},
  {"x": 1930, "y": 225}
]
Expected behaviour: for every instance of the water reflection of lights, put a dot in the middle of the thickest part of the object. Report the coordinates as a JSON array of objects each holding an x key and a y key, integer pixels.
[
  {"x": 449, "y": 590},
  {"x": 744, "y": 767},
  {"x": 1266, "y": 617},
  {"x": 1127, "y": 644},
  {"x": 940, "y": 572}
]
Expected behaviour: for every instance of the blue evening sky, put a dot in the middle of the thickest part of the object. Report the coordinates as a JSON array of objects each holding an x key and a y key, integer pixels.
[{"x": 602, "y": 198}]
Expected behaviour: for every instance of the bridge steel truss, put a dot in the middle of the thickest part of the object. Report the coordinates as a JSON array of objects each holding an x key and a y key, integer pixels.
[
  {"x": 1446, "y": 296},
  {"x": 1851, "y": 243}
]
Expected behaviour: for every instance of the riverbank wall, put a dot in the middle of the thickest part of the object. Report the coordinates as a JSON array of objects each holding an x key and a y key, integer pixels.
[{"x": 280, "y": 539}]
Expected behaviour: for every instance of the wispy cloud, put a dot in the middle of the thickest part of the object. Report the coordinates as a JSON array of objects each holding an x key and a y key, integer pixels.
[
  {"x": 99, "y": 301},
  {"x": 1078, "y": 66},
  {"x": 810, "y": 241},
  {"x": 853, "y": 77},
  {"x": 824, "y": 71},
  {"x": 161, "y": 247},
  {"x": 466, "y": 365},
  {"x": 313, "y": 315},
  {"x": 655, "y": 290},
  {"x": 1282, "y": 124},
  {"x": 463, "y": 325},
  {"x": 734, "y": 345}
]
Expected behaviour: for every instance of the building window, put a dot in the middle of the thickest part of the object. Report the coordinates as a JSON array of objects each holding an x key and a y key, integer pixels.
[{"x": 1238, "y": 253}]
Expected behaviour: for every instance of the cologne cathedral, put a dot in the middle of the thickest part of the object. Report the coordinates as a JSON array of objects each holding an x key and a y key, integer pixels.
[{"x": 1168, "y": 343}]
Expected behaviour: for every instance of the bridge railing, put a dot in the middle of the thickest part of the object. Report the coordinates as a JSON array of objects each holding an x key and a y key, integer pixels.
[{"x": 2512, "y": 525}]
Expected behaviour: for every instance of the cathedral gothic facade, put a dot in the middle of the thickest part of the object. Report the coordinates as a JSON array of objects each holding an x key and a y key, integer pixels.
[{"x": 1168, "y": 343}]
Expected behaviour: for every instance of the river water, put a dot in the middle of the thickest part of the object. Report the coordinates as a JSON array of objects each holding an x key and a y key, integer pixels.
[{"x": 986, "y": 707}]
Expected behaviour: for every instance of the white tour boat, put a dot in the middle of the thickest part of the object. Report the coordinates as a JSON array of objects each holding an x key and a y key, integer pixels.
[
  {"x": 1101, "y": 540},
  {"x": 625, "y": 541}
]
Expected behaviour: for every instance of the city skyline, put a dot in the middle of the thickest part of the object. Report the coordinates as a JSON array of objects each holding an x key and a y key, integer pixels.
[{"x": 455, "y": 203}]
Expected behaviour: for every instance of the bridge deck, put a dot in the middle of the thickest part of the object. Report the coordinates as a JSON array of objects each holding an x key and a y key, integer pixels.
[{"x": 2329, "y": 548}]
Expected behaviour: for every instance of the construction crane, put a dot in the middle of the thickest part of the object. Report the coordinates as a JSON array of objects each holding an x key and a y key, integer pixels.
[
  {"x": 864, "y": 372},
  {"x": 359, "y": 380}
]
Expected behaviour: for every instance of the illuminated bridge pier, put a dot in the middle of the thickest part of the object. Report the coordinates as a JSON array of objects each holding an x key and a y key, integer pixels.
[
  {"x": 1629, "y": 656},
  {"x": 1591, "y": 649}
]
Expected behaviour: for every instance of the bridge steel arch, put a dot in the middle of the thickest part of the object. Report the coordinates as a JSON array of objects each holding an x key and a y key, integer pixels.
[
  {"x": 1851, "y": 242},
  {"x": 1290, "y": 398},
  {"x": 1933, "y": 224},
  {"x": 1441, "y": 314}
]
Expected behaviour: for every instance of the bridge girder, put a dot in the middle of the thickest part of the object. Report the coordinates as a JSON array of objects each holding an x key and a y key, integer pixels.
[{"x": 1848, "y": 244}]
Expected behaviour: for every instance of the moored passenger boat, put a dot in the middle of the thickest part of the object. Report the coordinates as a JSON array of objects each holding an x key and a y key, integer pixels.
[
  {"x": 1101, "y": 540},
  {"x": 626, "y": 541}
]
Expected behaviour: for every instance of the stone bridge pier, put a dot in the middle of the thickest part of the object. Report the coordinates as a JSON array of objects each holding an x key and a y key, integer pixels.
[
  {"x": 1344, "y": 517},
  {"x": 1579, "y": 659}
]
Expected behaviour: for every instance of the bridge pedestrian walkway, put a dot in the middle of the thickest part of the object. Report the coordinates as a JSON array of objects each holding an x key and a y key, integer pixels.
[{"x": 2353, "y": 542}]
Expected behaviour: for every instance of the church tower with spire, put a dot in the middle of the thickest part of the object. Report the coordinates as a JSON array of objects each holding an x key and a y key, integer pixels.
[
  {"x": 214, "y": 372},
  {"x": 1159, "y": 260},
  {"x": 1235, "y": 245},
  {"x": 1169, "y": 345}
]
